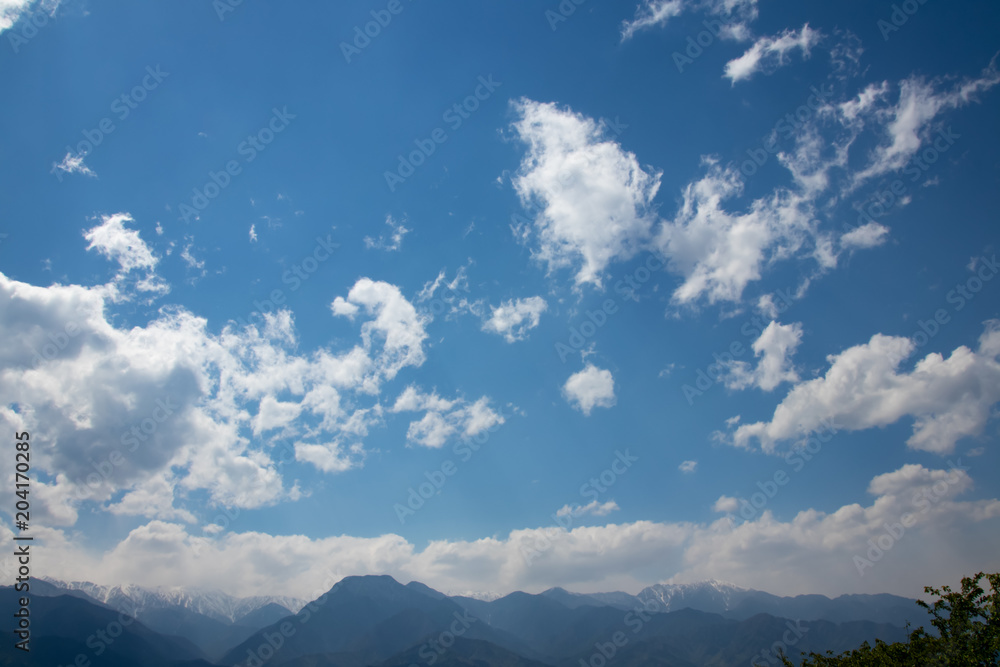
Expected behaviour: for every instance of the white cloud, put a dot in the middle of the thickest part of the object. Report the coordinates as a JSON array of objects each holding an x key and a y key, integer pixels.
[
  {"x": 134, "y": 402},
  {"x": 71, "y": 164},
  {"x": 514, "y": 318},
  {"x": 867, "y": 236},
  {"x": 657, "y": 13},
  {"x": 652, "y": 13},
  {"x": 910, "y": 118},
  {"x": 590, "y": 388},
  {"x": 396, "y": 325},
  {"x": 857, "y": 109},
  {"x": 594, "y": 508},
  {"x": 810, "y": 552},
  {"x": 769, "y": 53},
  {"x": 412, "y": 400},
  {"x": 775, "y": 347},
  {"x": 392, "y": 242},
  {"x": 813, "y": 159},
  {"x": 948, "y": 398},
  {"x": 594, "y": 201},
  {"x": 443, "y": 419},
  {"x": 454, "y": 295},
  {"x": 726, "y": 505},
  {"x": 272, "y": 414},
  {"x": 152, "y": 498},
  {"x": 253, "y": 234},
  {"x": 13, "y": 10},
  {"x": 572, "y": 181},
  {"x": 688, "y": 467},
  {"x": 150, "y": 415},
  {"x": 718, "y": 252},
  {"x": 122, "y": 245},
  {"x": 192, "y": 261},
  {"x": 330, "y": 457}
]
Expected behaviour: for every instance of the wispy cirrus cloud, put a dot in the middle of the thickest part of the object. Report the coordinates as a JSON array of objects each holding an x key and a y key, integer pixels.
[
  {"x": 657, "y": 13},
  {"x": 769, "y": 53}
]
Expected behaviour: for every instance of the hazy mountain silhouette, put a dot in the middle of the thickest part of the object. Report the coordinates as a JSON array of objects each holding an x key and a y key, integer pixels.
[
  {"x": 201, "y": 618},
  {"x": 64, "y": 627},
  {"x": 743, "y": 603},
  {"x": 374, "y": 621}
]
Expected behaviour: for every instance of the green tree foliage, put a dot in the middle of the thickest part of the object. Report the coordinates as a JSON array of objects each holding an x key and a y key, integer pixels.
[{"x": 968, "y": 633}]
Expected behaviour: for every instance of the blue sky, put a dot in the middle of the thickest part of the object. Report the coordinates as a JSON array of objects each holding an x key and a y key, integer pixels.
[{"x": 592, "y": 274}]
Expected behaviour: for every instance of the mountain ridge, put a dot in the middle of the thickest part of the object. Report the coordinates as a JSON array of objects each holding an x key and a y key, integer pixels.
[
  {"x": 375, "y": 621},
  {"x": 212, "y": 603},
  {"x": 710, "y": 595}
]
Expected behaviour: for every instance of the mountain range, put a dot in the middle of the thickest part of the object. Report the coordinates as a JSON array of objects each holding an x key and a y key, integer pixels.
[{"x": 375, "y": 621}]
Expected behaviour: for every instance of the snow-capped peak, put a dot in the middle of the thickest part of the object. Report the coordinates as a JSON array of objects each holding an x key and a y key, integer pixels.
[{"x": 132, "y": 599}]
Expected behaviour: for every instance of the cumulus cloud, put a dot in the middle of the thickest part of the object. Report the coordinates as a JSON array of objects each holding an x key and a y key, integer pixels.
[
  {"x": 444, "y": 419},
  {"x": 593, "y": 201},
  {"x": 809, "y": 552},
  {"x": 152, "y": 498},
  {"x": 688, "y": 467},
  {"x": 590, "y": 388},
  {"x": 948, "y": 398},
  {"x": 122, "y": 245},
  {"x": 572, "y": 181},
  {"x": 11, "y": 11},
  {"x": 775, "y": 347},
  {"x": 116, "y": 242},
  {"x": 272, "y": 414},
  {"x": 148, "y": 415},
  {"x": 719, "y": 252},
  {"x": 390, "y": 241},
  {"x": 866, "y": 236},
  {"x": 396, "y": 326},
  {"x": 514, "y": 318},
  {"x": 726, "y": 504},
  {"x": 769, "y": 53},
  {"x": 134, "y": 403},
  {"x": 330, "y": 457}
]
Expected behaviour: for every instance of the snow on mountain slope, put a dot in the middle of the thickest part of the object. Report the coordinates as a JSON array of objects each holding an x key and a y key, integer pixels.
[
  {"x": 711, "y": 596},
  {"x": 214, "y": 604}
]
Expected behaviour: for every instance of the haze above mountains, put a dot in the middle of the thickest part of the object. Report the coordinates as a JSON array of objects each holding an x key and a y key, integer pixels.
[{"x": 376, "y": 621}]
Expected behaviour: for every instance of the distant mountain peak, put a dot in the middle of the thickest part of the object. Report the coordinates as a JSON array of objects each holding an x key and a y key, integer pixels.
[
  {"x": 370, "y": 584},
  {"x": 132, "y": 599},
  {"x": 703, "y": 584},
  {"x": 426, "y": 590},
  {"x": 485, "y": 596},
  {"x": 710, "y": 595}
]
